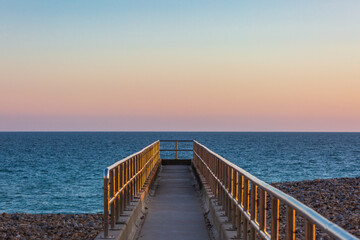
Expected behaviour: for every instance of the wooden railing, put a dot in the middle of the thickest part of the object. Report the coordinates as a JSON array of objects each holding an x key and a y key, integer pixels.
[
  {"x": 244, "y": 200},
  {"x": 124, "y": 180},
  {"x": 176, "y": 149}
]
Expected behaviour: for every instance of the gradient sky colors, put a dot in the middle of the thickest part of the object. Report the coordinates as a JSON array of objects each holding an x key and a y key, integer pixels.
[{"x": 180, "y": 65}]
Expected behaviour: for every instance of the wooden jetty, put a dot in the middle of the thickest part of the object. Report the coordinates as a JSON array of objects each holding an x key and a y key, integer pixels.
[{"x": 206, "y": 197}]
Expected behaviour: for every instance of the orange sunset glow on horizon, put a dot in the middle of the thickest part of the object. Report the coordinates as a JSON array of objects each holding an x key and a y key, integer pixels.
[{"x": 180, "y": 67}]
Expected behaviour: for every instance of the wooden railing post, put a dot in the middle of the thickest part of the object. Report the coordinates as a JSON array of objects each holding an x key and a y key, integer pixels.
[
  {"x": 106, "y": 206},
  {"x": 112, "y": 194},
  {"x": 128, "y": 188},
  {"x": 229, "y": 182},
  {"x": 253, "y": 208},
  {"x": 239, "y": 200},
  {"x": 125, "y": 181},
  {"x": 131, "y": 169},
  {"x": 246, "y": 207},
  {"x": 138, "y": 177},
  {"x": 122, "y": 202},
  {"x": 117, "y": 202},
  {"x": 220, "y": 197},
  {"x": 234, "y": 193},
  {"x": 217, "y": 175},
  {"x": 262, "y": 220},
  {"x": 275, "y": 218},
  {"x": 290, "y": 223},
  {"x": 309, "y": 230}
]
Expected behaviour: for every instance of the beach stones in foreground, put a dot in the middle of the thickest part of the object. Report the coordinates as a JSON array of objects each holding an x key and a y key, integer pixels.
[
  {"x": 336, "y": 199},
  {"x": 50, "y": 226}
]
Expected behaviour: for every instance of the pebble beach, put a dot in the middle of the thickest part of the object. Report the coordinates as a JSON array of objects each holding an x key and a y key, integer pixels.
[
  {"x": 50, "y": 226},
  {"x": 336, "y": 199}
]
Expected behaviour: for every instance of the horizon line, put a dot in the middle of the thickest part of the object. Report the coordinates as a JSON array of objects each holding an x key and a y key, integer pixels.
[{"x": 166, "y": 131}]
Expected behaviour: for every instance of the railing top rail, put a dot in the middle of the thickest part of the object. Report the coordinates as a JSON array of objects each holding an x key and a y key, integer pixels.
[
  {"x": 174, "y": 150},
  {"x": 316, "y": 218},
  {"x": 106, "y": 171},
  {"x": 170, "y": 140}
]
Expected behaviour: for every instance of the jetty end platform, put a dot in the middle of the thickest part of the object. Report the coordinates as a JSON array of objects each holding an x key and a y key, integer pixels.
[{"x": 148, "y": 196}]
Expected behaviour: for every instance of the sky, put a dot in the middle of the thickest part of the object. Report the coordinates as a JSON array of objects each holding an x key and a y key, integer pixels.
[{"x": 179, "y": 65}]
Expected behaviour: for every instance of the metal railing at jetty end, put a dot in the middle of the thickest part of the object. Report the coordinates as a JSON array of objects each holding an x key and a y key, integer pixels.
[
  {"x": 124, "y": 180},
  {"x": 237, "y": 191},
  {"x": 176, "y": 149}
]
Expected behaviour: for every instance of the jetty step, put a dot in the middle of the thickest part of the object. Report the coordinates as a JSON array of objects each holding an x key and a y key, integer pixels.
[{"x": 175, "y": 212}]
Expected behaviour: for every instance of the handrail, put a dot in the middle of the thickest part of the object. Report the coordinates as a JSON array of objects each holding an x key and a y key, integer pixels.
[
  {"x": 176, "y": 150},
  {"x": 173, "y": 150},
  {"x": 171, "y": 140},
  {"x": 126, "y": 179},
  {"x": 236, "y": 190},
  {"x": 127, "y": 158}
]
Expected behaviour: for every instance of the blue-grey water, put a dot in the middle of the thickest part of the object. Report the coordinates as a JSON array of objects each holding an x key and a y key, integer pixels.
[{"x": 61, "y": 172}]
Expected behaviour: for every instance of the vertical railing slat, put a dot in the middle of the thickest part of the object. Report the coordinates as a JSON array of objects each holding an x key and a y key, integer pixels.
[
  {"x": 117, "y": 203},
  {"x": 290, "y": 223},
  {"x": 275, "y": 218},
  {"x": 238, "y": 198},
  {"x": 112, "y": 193},
  {"x": 132, "y": 181},
  {"x": 253, "y": 208},
  {"x": 309, "y": 230},
  {"x": 246, "y": 207},
  {"x": 229, "y": 182},
  {"x": 106, "y": 207},
  {"x": 234, "y": 193},
  {"x": 122, "y": 202},
  {"x": 262, "y": 220}
]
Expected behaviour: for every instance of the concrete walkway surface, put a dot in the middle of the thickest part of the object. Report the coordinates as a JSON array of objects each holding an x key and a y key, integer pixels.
[{"x": 175, "y": 211}]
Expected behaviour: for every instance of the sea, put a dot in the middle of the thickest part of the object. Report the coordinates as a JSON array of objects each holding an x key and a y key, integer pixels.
[{"x": 62, "y": 172}]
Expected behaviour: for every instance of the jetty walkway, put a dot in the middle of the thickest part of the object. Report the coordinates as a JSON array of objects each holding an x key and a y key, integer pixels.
[
  {"x": 148, "y": 197},
  {"x": 175, "y": 211}
]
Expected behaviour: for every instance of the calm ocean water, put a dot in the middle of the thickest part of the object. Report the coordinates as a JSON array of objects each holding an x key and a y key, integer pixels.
[{"x": 62, "y": 172}]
